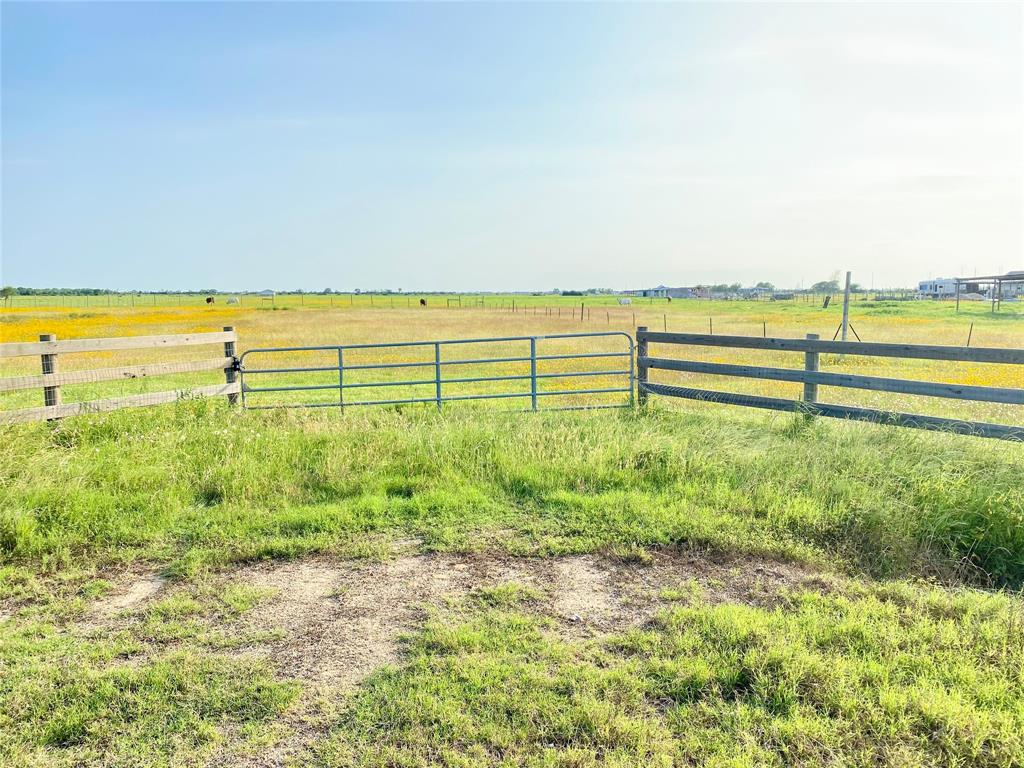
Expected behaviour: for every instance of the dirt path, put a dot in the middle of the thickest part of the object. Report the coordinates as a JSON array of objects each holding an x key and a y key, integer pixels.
[
  {"x": 336, "y": 621},
  {"x": 331, "y": 623}
]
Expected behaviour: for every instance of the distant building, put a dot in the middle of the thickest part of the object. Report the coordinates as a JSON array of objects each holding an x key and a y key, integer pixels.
[
  {"x": 998, "y": 288},
  {"x": 941, "y": 288},
  {"x": 665, "y": 292},
  {"x": 1013, "y": 288}
]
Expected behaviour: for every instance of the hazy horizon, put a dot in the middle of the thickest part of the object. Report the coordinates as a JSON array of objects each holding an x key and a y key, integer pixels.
[
  {"x": 461, "y": 148},
  {"x": 383, "y": 289}
]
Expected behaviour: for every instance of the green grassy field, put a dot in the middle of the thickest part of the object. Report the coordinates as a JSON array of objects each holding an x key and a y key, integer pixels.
[{"x": 742, "y": 590}]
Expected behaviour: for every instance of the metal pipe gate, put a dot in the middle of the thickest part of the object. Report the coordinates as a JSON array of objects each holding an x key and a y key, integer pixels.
[{"x": 436, "y": 364}]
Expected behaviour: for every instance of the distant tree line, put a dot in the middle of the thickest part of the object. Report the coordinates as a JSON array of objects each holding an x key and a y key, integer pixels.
[{"x": 9, "y": 290}]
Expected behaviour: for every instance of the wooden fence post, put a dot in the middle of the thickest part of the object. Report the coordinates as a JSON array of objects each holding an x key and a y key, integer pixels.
[
  {"x": 230, "y": 374},
  {"x": 811, "y": 364},
  {"x": 641, "y": 367},
  {"x": 51, "y": 395}
]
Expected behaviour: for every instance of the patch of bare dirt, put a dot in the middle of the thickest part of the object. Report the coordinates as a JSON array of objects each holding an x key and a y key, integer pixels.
[
  {"x": 130, "y": 591},
  {"x": 584, "y": 595},
  {"x": 714, "y": 577},
  {"x": 339, "y": 621},
  {"x": 342, "y": 620}
]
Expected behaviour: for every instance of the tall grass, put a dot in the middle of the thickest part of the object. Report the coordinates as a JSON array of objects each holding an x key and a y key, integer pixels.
[{"x": 197, "y": 485}]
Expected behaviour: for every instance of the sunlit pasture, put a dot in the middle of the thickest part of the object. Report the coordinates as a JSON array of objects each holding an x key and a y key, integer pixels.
[{"x": 330, "y": 320}]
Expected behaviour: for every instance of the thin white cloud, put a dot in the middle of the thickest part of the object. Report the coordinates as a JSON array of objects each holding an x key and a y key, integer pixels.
[{"x": 913, "y": 51}]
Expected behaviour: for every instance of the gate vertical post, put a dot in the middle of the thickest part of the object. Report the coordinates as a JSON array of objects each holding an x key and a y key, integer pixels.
[
  {"x": 533, "y": 372},
  {"x": 641, "y": 365},
  {"x": 437, "y": 374},
  {"x": 51, "y": 394},
  {"x": 811, "y": 365},
  {"x": 230, "y": 374},
  {"x": 632, "y": 373},
  {"x": 341, "y": 379}
]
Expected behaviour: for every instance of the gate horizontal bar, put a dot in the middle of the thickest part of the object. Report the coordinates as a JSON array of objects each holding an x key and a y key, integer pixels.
[
  {"x": 422, "y": 382},
  {"x": 427, "y": 364},
  {"x": 443, "y": 342},
  {"x": 384, "y": 366},
  {"x": 585, "y": 391},
  {"x": 315, "y": 369},
  {"x": 290, "y": 387},
  {"x": 428, "y": 400},
  {"x": 444, "y": 398},
  {"x": 432, "y": 363}
]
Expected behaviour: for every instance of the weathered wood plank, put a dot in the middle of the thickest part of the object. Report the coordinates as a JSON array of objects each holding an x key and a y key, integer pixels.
[
  {"x": 113, "y": 404},
  {"x": 113, "y": 374},
  {"x": 874, "y": 383},
  {"x": 975, "y": 428},
  {"x": 67, "y": 346},
  {"x": 872, "y": 349},
  {"x": 50, "y": 366}
]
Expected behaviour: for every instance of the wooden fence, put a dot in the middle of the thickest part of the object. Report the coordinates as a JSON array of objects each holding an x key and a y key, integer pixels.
[
  {"x": 812, "y": 347},
  {"x": 49, "y": 349},
  {"x": 50, "y": 379}
]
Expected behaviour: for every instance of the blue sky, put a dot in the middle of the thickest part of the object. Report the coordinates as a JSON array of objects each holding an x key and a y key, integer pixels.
[{"x": 507, "y": 147}]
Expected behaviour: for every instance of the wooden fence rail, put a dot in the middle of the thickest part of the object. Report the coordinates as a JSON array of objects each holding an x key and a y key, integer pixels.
[
  {"x": 812, "y": 378},
  {"x": 50, "y": 380}
]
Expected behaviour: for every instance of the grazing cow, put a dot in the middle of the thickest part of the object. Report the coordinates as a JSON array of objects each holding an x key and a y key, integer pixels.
[
  {"x": 423, "y": 302},
  {"x": 209, "y": 299}
]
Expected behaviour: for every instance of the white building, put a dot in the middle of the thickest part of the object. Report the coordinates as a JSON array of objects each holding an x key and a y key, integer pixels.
[
  {"x": 665, "y": 292},
  {"x": 939, "y": 288}
]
